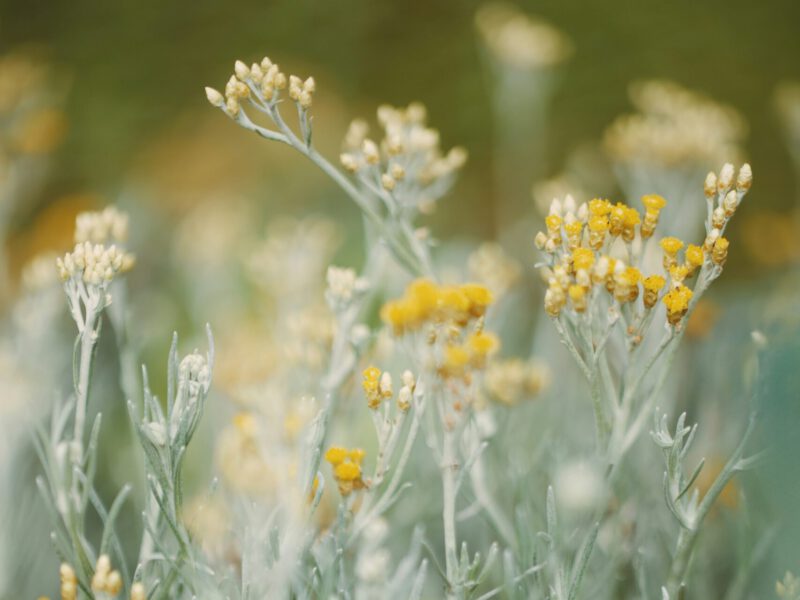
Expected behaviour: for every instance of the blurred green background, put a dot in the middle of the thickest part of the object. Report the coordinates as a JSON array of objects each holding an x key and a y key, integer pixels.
[
  {"x": 137, "y": 67},
  {"x": 138, "y": 120}
]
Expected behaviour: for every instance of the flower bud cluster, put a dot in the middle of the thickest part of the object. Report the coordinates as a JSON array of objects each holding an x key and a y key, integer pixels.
[
  {"x": 346, "y": 465},
  {"x": 674, "y": 126},
  {"x": 450, "y": 317},
  {"x": 105, "y": 580},
  {"x": 102, "y": 227},
  {"x": 519, "y": 39},
  {"x": 264, "y": 78},
  {"x": 510, "y": 381},
  {"x": 94, "y": 264},
  {"x": 582, "y": 260},
  {"x": 343, "y": 287},
  {"x": 408, "y": 161},
  {"x": 194, "y": 374},
  {"x": 724, "y": 193},
  {"x": 377, "y": 387},
  {"x": 301, "y": 91}
]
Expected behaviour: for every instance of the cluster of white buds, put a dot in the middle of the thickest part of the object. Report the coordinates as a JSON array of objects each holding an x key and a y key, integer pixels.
[
  {"x": 406, "y": 393},
  {"x": 94, "y": 264},
  {"x": 264, "y": 80},
  {"x": 194, "y": 381},
  {"x": 519, "y": 39},
  {"x": 343, "y": 286},
  {"x": 408, "y": 161},
  {"x": 301, "y": 91},
  {"x": 674, "y": 126},
  {"x": 106, "y": 581},
  {"x": 101, "y": 227},
  {"x": 194, "y": 374}
]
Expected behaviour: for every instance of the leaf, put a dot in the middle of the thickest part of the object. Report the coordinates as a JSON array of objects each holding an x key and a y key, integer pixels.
[{"x": 581, "y": 561}]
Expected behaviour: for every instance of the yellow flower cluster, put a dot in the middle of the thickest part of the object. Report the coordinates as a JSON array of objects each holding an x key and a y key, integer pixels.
[
  {"x": 579, "y": 246},
  {"x": 447, "y": 310},
  {"x": 425, "y": 302},
  {"x": 346, "y": 467},
  {"x": 378, "y": 387}
]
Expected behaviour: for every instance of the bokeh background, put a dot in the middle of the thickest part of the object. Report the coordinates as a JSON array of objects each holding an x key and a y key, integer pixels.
[{"x": 133, "y": 127}]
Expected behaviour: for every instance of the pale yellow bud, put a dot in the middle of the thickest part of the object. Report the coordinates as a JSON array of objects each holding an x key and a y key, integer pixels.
[
  {"x": 725, "y": 177},
  {"x": 370, "y": 150},
  {"x": 137, "y": 592},
  {"x": 349, "y": 162},
  {"x": 242, "y": 70},
  {"x": 388, "y": 182},
  {"x": 214, "y": 97},
  {"x": 710, "y": 185},
  {"x": 397, "y": 172},
  {"x": 745, "y": 178}
]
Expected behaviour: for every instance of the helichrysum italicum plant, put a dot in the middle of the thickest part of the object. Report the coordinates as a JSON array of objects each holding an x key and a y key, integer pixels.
[{"x": 306, "y": 505}]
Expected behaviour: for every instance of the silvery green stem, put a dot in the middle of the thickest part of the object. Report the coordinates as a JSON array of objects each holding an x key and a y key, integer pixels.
[
  {"x": 486, "y": 500},
  {"x": 88, "y": 339},
  {"x": 449, "y": 467}
]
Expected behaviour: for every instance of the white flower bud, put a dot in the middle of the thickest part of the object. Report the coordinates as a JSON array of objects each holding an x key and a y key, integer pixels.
[
  {"x": 725, "y": 177},
  {"x": 745, "y": 178},
  {"x": 242, "y": 70},
  {"x": 214, "y": 97}
]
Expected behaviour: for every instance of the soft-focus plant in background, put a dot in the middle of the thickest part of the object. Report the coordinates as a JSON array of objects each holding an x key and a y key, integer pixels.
[{"x": 372, "y": 437}]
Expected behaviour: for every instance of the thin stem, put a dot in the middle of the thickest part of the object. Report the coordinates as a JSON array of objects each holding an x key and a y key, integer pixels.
[
  {"x": 449, "y": 468},
  {"x": 88, "y": 341}
]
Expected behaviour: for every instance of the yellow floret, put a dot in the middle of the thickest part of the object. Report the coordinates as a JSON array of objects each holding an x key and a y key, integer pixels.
[
  {"x": 356, "y": 455},
  {"x": 336, "y": 455},
  {"x": 371, "y": 373},
  {"x": 654, "y": 283},
  {"x": 347, "y": 471},
  {"x": 423, "y": 294},
  {"x": 553, "y": 222},
  {"x": 455, "y": 358},
  {"x": 630, "y": 276},
  {"x": 630, "y": 217},
  {"x": 479, "y": 298},
  {"x": 677, "y": 303},
  {"x": 653, "y": 202},
  {"x": 599, "y": 208},
  {"x": 399, "y": 315},
  {"x": 598, "y": 224},
  {"x": 671, "y": 245},
  {"x": 582, "y": 258},
  {"x": 573, "y": 228},
  {"x": 483, "y": 344},
  {"x": 694, "y": 255},
  {"x": 453, "y": 301}
]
